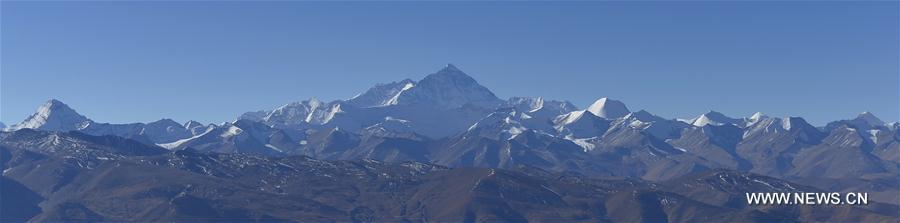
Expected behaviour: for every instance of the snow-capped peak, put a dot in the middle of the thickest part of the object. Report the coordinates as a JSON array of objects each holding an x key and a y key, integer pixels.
[
  {"x": 870, "y": 119},
  {"x": 714, "y": 118},
  {"x": 448, "y": 88},
  {"x": 54, "y": 116},
  {"x": 608, "y": 108}
]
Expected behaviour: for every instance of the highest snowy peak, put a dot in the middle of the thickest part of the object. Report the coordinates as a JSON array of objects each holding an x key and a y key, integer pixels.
[
  {"x": 449, "y": 88},
  {"x": 54, "y": 116},
  {"x": 714, "y": 118},
  {"x": 608, "y": 108}
]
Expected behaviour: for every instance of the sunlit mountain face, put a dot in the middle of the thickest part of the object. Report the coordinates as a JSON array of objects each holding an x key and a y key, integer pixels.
[{"x": 444, "y": 149}]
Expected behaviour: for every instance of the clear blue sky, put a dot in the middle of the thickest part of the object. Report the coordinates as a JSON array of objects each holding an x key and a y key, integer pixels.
[{"x": 139, "y": 62}]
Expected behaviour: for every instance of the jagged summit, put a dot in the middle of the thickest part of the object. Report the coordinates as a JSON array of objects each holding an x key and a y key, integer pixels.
[
  {"x": 608, "y": 108},
  {"x": 526, "y": 104},
  {"x": 537, "y": 104},
  {"x": 54, "y": 115},
  {"x": 298, "y": 113}
]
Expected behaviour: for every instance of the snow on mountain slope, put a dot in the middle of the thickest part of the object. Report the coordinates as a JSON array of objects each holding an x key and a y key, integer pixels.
[
  {"x": 538, "y": 113},
  {"x": 255, "y": 115},
  {"x": 608, "y": 108},
  {"x": 501, "y": 125},
  {"x": 773, "y": 125},
  {"x": 393, "y": 128},
  {"x": 244, "y": 136},
  {"x": 534, "y": 105},
  {"x": 657, "y": 126},
  {"x": 54, "y": 116},
  {"x": 294, "y": 114},
  {"x": 714, "y": 118},
  {"x": 197, "y": 128},
  {"x": 441, "y": 104},
  {"x": 525, "y": 104},
  {"x": 580, "y": 124},
  {"x": 449, "y": 104},
  {"x": 382, "y": 94},
  {"x": 755, "y": 118},
  {"x": 448, "y": 88}
]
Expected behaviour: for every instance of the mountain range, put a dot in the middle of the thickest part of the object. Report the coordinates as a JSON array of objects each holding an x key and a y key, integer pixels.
[{"x": 400, "y": 150}]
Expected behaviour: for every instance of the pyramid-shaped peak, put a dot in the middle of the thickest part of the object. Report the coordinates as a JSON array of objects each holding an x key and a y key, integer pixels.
[
  {"x": 54, "y": 115},
  {"x": 608, "y": 108},
  {"x": 54, "y": 105},
  {"x": 450, "y": 68},
  {"x": 448, "y": 88},
  {"x": 450, "y": 71},
  {"x": 870, "y": 118}
]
